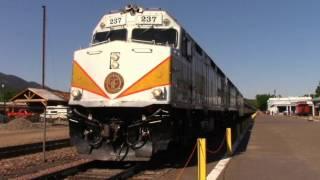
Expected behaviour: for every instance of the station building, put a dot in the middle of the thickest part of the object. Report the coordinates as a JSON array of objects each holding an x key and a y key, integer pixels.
[
  {"x": 36, "y": 99},
  {"x": 287, "y": 105}
]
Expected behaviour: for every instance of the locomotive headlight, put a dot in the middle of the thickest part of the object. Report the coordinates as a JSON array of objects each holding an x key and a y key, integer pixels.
[
  {"x": 114, "y": 56},
  {"x": 114, "y": 65},
  {"x": 114, "y": 60},
  {"x": 76, "y": 94},
  {"x": 157, "y": 93}
]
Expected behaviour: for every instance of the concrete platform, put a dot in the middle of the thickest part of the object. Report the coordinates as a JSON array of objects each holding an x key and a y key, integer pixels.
[
  {"x": 278, "y": 147},
  {"x": 216, "y": 150},
  {"x": 177, "y": 160}
]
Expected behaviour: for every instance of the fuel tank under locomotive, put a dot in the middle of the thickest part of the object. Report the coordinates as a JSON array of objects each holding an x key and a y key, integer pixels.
[{"x": 120, "y": 133}]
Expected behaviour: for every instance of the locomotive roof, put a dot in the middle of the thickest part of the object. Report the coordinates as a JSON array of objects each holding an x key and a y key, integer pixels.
[
  {"x": 130, "y": 8},
  {"x": 135, "y": 12}
]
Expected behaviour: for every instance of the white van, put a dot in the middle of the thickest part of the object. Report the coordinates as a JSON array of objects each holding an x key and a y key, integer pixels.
[{"x": 56, "y": 112}]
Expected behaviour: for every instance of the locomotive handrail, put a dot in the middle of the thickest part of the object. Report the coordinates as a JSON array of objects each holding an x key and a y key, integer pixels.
[{"x": 86, "y": 118}]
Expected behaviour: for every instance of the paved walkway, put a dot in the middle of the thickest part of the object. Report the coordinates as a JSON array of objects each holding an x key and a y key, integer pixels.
[{"x": 279, "y": 147}]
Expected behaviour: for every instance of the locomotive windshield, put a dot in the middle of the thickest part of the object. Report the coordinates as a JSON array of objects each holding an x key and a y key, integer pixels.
[
  {"x": 156, "y": 36},
  {"x": 120, "y": 34}
]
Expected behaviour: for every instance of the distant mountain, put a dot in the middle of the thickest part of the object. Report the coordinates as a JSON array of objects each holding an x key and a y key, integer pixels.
[{"x": 16, "y": 83}]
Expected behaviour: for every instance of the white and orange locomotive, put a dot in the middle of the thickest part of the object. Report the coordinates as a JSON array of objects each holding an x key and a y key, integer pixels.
[{"x": 144, "y": 83}]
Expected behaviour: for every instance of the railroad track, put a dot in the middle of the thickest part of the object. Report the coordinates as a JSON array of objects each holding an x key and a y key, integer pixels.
[
  {"x": 89, "y": 169},
  {"x": 13, "y": 151},
  {"x": 134, "y": 171},
  {"x": 113, "y": 171}
]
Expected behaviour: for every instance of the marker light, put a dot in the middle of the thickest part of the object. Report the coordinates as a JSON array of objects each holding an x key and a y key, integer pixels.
[
  {"x": 102, "y": 25},
  {"x": 76, "y": 94},
  {"x": 166, "y": 22}
]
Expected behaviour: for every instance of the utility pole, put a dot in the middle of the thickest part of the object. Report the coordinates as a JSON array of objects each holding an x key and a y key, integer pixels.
[
  {"x": 43, "y": 78},
  {"x": 43, "y": 45}
]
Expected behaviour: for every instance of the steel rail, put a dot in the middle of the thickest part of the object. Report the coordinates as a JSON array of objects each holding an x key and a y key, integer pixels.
[
  {"x": 127, "y": 173},
  {"x": 78, "y": 169},
  {"x": 19, "y": 150}
]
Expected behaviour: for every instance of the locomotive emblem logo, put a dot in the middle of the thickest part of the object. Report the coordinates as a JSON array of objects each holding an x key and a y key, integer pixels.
[{"x": 113, "y": 83}]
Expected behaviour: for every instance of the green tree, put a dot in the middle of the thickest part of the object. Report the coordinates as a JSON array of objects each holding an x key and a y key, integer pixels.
[
  {"x": 262, "y": 101},
  {"x": 252, "y": 102},
  {"x": 318, "y": 90},
  {"x": 7, "y": 94}
]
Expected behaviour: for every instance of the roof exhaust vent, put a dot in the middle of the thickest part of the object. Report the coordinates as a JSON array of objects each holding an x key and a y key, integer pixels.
[{"x": 132, "y": 9}]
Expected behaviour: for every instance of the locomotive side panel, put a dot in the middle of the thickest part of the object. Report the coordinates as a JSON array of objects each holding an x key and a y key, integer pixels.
[
  {"x": 181, "y": 91},
  {"x": 199, "y": 84}
]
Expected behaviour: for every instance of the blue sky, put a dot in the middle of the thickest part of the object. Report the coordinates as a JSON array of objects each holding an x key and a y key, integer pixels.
[{"x": 261, "y": 45}]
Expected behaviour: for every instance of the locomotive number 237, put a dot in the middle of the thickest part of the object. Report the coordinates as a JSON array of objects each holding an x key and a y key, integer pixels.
[
  {"x": 115, "y": 21},
  {"x": 148, "y": 19}
]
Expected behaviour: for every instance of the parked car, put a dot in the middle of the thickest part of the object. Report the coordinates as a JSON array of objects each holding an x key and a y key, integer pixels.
[
  {"x": 24, "y": 113},
  {"x": 56, "y": 112},
  {"x": 303, "y": 109}
]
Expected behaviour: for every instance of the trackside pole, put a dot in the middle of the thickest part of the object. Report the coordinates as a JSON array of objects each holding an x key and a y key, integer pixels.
[
  {"x": 229, "y": 141},
  {"x": 44, "y": 135},
  {"x": 202, "y": 160},
  {"x": 43, "y": 81}
]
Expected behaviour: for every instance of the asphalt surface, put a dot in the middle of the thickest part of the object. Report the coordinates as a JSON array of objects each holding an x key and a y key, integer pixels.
[
  {"x": 216, "y": 149},
  {"x": 277, "y": 147}
]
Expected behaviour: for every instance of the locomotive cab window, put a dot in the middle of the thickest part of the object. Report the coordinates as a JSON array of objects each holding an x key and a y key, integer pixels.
[
  {"x": 156, "y": 36},
  {"x": 120, "y": 34}
]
